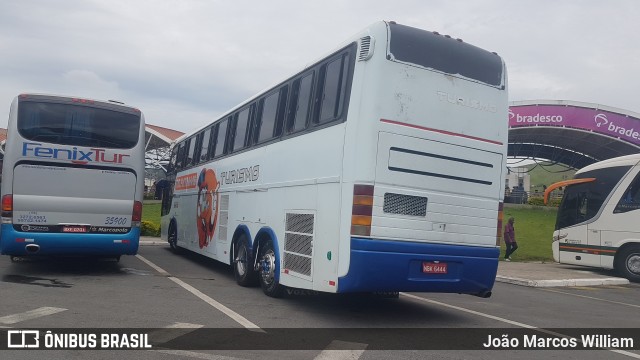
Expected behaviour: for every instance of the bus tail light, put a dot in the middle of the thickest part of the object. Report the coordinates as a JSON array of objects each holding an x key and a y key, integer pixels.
[
  {"x": 500, "y": 217},
  {"x": 7, "y": 205},
  {"x": 362, "y": 210},
  {"x": 136, "y": 216}
]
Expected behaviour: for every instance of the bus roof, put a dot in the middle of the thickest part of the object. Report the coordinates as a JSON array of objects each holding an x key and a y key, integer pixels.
[{"x": 627, "y": 160}]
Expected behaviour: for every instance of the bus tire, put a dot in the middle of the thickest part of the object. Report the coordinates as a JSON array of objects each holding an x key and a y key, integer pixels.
[
  {"x": 173, "y": 238},
  {"x": 267, "y": 271},
  {"x": 628, "y": 263},
  {"x": 243, "y": 270}
]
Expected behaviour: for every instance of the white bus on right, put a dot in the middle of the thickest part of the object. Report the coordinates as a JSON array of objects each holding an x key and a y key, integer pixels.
[{"x": 598, "y": 221}]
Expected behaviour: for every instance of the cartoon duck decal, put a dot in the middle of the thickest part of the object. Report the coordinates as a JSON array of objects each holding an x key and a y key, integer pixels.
[{"x": 207, "y": 211}]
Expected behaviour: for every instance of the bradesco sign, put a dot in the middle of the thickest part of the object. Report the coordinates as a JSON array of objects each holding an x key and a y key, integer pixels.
[{"x": 608, "y": 123}]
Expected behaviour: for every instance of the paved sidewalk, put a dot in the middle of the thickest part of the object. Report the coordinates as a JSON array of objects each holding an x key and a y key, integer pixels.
[
  {"x": 534, "y": 274},
  {"x": 538, "y": 274}
]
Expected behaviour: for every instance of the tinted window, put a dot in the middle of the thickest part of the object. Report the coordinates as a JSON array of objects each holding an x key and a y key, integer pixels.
[
  {"x": 204, "y": 150},
  {"x": 77, "y": 125},
  {"x": 331, "y": 92},
  {"x": 268, "y": 119},
  {"x": 631, "y": 198},
  {"x": 444, "y": 54},
  {"x": 192, "y": 147},
  {"x": 242, "y": 123},
  {"x": 301, "y": 100},
  {"x": 581, "y": 202},
  {"x": 222, "y": 133},
  {"x": 180, "y": 156}
]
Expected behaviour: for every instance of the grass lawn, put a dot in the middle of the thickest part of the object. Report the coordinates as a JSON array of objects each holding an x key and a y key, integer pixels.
[
  {"x": 534, "y": 229},
  {"x": 151, "y": 212}
]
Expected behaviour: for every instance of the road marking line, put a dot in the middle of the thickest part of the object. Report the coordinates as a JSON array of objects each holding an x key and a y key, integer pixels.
[
  {"x": 175, "y": 330},
  {"x": 225, "y": 310},
  {"x": 196, "y": 355},
  {"x": 335, "y": 351},
  {"x": 592, "y": 298},
  {"x": 511, "y": 322},
  {"x": 29, "y": 315}
]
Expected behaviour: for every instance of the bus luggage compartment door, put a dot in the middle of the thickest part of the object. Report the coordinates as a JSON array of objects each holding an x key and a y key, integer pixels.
[{"x": 427, "y": 190}]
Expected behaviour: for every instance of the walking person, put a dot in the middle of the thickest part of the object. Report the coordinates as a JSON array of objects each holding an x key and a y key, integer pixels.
[{"x": 510, "y": 239}]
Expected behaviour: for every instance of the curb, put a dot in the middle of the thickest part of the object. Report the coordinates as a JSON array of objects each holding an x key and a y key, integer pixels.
[
  {"x": 150, "y": 241},
  {"x": 563, "y": 282}
]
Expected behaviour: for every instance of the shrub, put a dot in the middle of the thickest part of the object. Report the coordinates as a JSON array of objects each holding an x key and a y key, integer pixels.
[
  {"x": 150, "y": 228},
  {"x": 537, "y": 201}
]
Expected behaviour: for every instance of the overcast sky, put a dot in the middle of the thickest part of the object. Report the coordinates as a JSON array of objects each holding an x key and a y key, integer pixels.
[{"x": 185, "y": 62}]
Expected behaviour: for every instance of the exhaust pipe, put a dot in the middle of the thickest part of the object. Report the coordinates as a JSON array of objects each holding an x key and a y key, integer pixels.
[{"x": 32, "y": 248}]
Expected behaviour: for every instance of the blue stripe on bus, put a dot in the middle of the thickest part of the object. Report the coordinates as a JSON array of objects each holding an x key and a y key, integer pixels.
[
  {"x": 383, "y": 265},
  {"x": 68, "y": 244}
]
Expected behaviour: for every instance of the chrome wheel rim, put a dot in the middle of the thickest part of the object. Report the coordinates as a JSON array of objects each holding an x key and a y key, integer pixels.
[
  {"x": 267, "y": 267},
  {"x": 241, "y": 260},
  {"x": 633, "y": 263}
]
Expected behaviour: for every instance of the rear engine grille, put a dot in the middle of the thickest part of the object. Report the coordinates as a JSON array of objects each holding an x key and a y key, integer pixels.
[{"x": 405, "y": 204}]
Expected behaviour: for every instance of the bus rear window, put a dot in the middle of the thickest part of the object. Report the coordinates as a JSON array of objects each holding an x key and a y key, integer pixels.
[
  {"x": 444, "y": 54},
  {"x": 78, "y": 125}
]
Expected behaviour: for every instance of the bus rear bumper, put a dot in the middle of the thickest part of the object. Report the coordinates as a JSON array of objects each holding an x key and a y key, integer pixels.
[
  {"x": 16, "y": 243},
  {"x": 386, "y": 266}
]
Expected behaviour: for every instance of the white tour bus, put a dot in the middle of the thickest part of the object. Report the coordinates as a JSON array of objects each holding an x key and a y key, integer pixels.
[
  {"x": 378, "y": 168},
  {"x": 597, "y": 223},
  {"x": 72, "y": 177}
]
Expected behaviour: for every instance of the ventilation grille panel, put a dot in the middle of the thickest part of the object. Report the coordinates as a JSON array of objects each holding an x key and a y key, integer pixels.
[
  {"x": 298, "y": 243},
  {"x": 405, "y": 204}
]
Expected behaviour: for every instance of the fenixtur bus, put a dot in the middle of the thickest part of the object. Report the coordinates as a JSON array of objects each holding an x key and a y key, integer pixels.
[{"x": 72, "y": 177}]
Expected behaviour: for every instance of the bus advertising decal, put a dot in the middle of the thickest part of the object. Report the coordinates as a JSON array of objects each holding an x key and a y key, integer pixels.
[
  {"x": 207, "y": 206},
  {"x": 186, "y": 182},
  {"x": 608, "y": 123},
  {"x": 75, "y": 155}
]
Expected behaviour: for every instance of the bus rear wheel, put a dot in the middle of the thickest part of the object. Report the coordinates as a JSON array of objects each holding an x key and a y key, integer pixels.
[
  {"x": 242, "y": 264},
  {"x": 267, "y": 271},
  {"x": 629, "y": 263}
]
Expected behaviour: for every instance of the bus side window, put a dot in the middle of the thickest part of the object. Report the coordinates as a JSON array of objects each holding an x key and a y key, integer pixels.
[
  {"x": 198, "y": 148},
  {"x": 300, "y": 103},
  {"x": 333, "y": 88},
  {"x": 271, "y": 114},
  {"x": 180, "y": 157},
  {"x": 241, "y": 129},
  {"x": 204, "y": 148},
  {"x": 220, "y": 137},
  {"x": 192, "y": 147},
  {"x": 630, "y": 199}
]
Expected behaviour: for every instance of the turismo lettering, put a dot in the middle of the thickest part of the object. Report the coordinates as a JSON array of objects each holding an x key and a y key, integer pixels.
[
  {"x": 75, "y": 155},
  {"x": 251, "y": 173},
  {"x": 538, "y": 118}
]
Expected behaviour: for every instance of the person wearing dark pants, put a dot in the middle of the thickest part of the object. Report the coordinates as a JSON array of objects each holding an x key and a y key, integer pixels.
[{"x": 510, "y": 239}]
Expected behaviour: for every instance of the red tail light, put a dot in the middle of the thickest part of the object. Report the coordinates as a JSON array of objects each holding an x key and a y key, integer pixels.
[
  {"x": 362, "y": 210},
  {"x": 7, "y": 205},
  {"x": 136, "y": 216}
]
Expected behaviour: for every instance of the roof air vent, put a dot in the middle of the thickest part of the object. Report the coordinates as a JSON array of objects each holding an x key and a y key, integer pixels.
[{"x": 366, "y": 48}]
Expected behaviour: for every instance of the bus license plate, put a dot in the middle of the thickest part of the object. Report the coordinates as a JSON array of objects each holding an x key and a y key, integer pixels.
[
  {"x": 74, "y": 229},
  {"x": 434, "y": 268}
]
